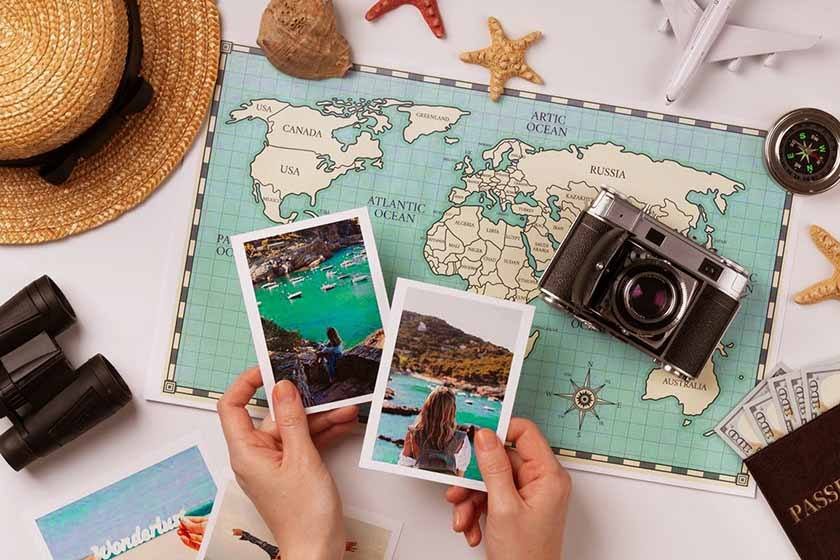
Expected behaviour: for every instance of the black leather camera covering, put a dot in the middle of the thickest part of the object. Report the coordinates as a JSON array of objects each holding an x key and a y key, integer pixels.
[
  {"x": 584, "y": 235},
  {"x": 702, "y": 327}
]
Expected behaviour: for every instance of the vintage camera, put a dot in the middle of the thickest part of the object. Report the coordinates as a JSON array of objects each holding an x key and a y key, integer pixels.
[
  {"x": 48, "y": 402},
  {"x": 623, "y": 272}
]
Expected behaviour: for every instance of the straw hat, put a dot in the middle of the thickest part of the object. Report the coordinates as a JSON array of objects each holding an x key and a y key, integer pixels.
[{"x": 99, "y": 101}]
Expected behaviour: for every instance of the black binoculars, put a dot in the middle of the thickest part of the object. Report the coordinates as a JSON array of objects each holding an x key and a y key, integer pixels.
[{"x": 49, "y": 403}]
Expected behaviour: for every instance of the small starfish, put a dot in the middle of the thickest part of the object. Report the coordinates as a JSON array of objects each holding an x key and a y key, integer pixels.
[
  {"x": 429, "y": 9},
  {"x": 827, "y": 289},
  {"x": 505, "y": 58}
]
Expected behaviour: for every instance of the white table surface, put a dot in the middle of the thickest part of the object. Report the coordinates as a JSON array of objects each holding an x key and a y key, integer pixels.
[{"x": 607, "y": 51}]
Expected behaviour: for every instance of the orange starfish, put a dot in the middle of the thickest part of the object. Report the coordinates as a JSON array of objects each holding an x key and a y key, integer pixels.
[
  {"x": 505, "y": 58},
  {"x": 429, "y": 9},
  {"x": 830, "y": 288}
]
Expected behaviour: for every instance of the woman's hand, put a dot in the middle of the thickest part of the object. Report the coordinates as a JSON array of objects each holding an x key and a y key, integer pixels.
[
  {"x": 279, "y": 467},
  {"x": 526, "y": 501},
  {"x": 191, "y": 531}
]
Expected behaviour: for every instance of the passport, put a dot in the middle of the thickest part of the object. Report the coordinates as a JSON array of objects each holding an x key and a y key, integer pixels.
[{"x": 799, "y": 476}]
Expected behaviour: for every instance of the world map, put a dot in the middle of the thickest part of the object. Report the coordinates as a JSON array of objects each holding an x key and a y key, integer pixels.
[
  {"x": 480, "y": 196},
  {"x": 539, "y": 194}
]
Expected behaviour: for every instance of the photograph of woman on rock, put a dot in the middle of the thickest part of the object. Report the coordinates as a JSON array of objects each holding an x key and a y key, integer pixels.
[
  {"x": 316, "y": 301},
  {"x": 434, "y": 442},
  {"x": 331, "y": 352}
]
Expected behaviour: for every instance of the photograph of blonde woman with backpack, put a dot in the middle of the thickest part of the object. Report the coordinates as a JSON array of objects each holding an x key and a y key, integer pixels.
[{"x": 435, "y": 442}]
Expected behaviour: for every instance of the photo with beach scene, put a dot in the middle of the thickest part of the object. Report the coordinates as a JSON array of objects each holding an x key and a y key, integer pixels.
[
  {"x": 157, "y": 512},
  {"x": 452, "y": 368},
  {"x": 237, "y": 532},
  {"x": 316, "y": 304}
]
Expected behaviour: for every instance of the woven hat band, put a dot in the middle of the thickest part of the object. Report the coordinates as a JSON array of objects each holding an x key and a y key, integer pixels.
[{"x": 132, "y": 96}]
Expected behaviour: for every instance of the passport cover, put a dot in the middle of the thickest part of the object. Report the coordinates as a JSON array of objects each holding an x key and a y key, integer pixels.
[{"x": 800, "y": 477}]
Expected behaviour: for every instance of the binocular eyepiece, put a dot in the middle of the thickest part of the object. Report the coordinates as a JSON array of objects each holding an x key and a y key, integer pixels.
[{"x": 49, "y": 403}]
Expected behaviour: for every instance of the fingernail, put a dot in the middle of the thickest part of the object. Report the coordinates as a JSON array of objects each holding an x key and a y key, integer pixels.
[
  {"x": 486, "y": 440},
  {"x": 456, "y": 521},
  {"x": 285, "y": 391}
]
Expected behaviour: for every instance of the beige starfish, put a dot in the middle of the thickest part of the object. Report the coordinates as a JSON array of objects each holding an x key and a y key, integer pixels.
[
  {"x": 505, "y": 58},
  {"x": 827, "y": 289}
]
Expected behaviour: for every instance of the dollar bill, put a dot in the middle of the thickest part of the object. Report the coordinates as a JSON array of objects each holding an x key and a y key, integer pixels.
[
  {"x": 740, "y": 434},
  {"x": 800, "y": 395},
  {"x": 781, "y": 392},
  {"x": 738, "y": 431},
  {"x": 822, "y": 386},
  {"x": 765, "y": 415}
]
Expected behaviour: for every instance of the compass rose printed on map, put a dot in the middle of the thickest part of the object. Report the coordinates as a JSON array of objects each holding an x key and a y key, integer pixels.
[
  {"x": 585, "y": 399},
  {"x": 476, "y": 195}
]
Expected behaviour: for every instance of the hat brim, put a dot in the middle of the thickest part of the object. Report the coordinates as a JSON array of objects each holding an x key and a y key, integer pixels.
[{"x": 181, "y": 40}]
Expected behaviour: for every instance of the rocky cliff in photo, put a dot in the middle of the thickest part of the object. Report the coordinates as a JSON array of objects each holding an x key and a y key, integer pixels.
[
  {"x": 431, "y": 347},
  {"x": 296, "y": 359}
]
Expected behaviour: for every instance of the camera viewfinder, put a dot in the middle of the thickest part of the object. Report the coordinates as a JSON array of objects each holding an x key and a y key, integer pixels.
[
  {"x": 711, "y": 269},
  {"x": 656, "y": 237}
]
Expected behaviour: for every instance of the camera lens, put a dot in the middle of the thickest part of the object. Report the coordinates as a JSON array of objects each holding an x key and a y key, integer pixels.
[{"x": 649, "y": 297}]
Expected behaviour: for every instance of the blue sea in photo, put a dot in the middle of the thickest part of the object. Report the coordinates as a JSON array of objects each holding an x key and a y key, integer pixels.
[
  {"x": 181, "y": 482},
  {"x": 350, "y": 308}
]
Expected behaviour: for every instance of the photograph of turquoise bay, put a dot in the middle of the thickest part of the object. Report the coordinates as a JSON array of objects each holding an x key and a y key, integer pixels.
[
  {"x": 141, "y": 510},
  {"x": 318, "y": 308},
  {"x": 447, "y": 378}
]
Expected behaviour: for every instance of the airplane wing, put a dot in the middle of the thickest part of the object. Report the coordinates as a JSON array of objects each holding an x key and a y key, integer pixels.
[
  {"x": 683, "y": 16},
  {"x": 736, "y": 41}
]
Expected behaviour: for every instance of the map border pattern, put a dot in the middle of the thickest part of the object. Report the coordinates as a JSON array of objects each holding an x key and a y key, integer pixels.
[{"x": 171, "y": 387}]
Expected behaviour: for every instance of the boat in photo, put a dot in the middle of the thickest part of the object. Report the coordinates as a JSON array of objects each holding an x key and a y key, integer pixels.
[
  {"x": 348, "y": 263},
  {"x": 295, "y": 295},
  {"x": 490, "y": 408},
  {"x": 270, "y": 286},
  {"x": 327, "y": 287},
  {"x": 343, "y": 276},
  {"x": 331, "y": 274},
  {"x": 328, "y": 267},
  {"x": 469, "y": 402},
  {"x": 297, "y": 280},
  {"x": 359, "y": 278}
]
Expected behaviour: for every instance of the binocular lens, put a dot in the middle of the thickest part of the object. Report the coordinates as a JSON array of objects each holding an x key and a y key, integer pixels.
[
  {"x": 96, "y": 393},
  {"x": 39, "y": 307}
]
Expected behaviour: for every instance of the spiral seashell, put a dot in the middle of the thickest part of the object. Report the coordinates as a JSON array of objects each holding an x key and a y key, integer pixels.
[{"x": 300, "y": 38}]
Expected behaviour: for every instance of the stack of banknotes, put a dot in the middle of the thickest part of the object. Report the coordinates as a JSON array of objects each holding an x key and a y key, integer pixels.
[{"x": 782, "y": 402}]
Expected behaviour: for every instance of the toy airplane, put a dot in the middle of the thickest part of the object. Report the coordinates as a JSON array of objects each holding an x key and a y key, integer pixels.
[{"x": 706, "y": 37}]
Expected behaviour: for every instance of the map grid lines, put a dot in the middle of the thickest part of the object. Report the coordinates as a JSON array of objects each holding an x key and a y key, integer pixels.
[{"x": 171, "y": 383}]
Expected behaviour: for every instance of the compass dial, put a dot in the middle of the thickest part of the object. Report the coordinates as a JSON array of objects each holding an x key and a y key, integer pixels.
[
  {"x": 808, "y": 151},
  {"x": 802, "y": 152}
]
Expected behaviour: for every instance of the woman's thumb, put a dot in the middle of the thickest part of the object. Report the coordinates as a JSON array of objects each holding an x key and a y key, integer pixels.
[
  {"x": 495, "y": 469},
  {"x": 290, "y": 419}
]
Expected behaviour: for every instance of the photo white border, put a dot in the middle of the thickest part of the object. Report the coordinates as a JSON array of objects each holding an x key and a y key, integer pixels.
[
  {"x": 116, "y": 475},
  {"x": 250, "y": 297},
  {"x": 395, "y": 526},
  {"x": 403, "y": 285}
]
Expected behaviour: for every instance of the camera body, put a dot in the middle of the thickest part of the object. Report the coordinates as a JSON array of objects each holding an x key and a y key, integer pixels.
[{"x": 623, "y": 272}]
